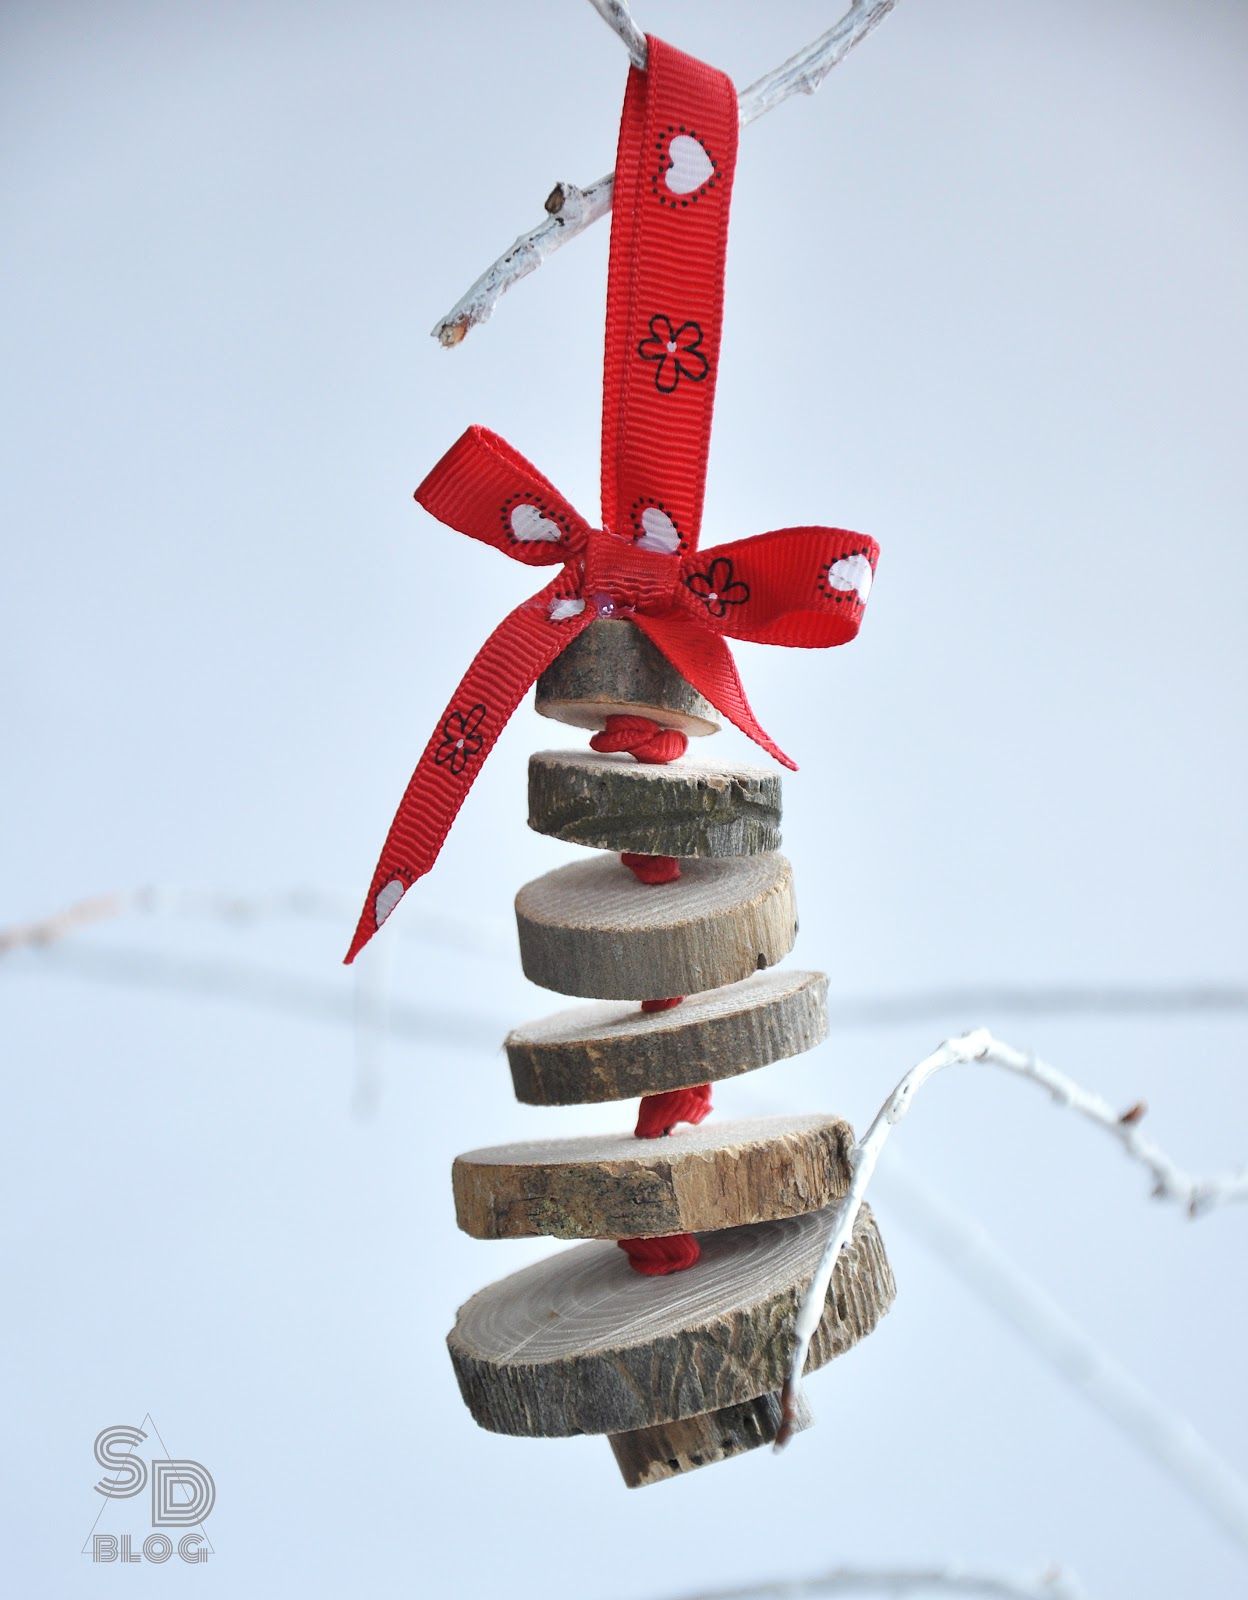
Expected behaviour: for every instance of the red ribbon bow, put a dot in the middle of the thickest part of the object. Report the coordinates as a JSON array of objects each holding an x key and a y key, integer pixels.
[{"x": 797, "y": 586}]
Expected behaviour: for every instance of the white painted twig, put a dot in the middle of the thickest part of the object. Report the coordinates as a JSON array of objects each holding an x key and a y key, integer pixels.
[
  {"x": 572, "y": 209},
  {"x": 903, "y": 1581},
  {"x": 1163, "y": 1435},
  {"x": 1170, "y": 1182},
  {"x": 618, "y": 17}
]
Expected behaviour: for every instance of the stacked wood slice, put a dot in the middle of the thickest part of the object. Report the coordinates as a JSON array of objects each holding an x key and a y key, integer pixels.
[{"x": 679, "y": 1370}]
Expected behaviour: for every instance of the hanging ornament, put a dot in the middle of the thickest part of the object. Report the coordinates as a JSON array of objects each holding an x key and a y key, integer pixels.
[{"x": 674, "y": 1343}]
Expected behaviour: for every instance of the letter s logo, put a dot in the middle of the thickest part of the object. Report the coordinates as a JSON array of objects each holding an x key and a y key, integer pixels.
[{"x": 131, "y": 1470}]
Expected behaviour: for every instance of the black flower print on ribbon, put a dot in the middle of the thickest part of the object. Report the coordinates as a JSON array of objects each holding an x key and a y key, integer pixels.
[
  {"x": 717, "y": 588},
  {"x": 678, "y": 352},
  {"x": 461, "y": 739}
]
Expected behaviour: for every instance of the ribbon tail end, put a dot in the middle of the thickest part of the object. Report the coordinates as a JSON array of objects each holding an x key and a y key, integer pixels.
[
  {"x": 360, "y": 938},
  {"x": 382, "y": 899}
]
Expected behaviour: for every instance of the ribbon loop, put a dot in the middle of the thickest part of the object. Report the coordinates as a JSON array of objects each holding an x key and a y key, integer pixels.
[
  {"x": 665, "y": 291},
  {"x": 484, "y": 488},
  {"x": 798, "y": 586}
]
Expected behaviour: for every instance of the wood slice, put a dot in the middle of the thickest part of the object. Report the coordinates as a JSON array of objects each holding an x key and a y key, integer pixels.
[
  {"x": 580, "y": 1343},
  {"x": 615, "y": 1186},
  {"x": 613, "y": 668},
  {"x": 616, "y": 1052},
  {"x": 685, "y": 808},
  {"x": 592, "y": 929},
  {"x": 648, "y": 1455}
]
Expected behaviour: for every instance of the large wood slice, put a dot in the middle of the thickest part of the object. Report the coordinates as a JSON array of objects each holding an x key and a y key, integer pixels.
[
  {"x": 612, "y": 668},
  {"x": 615, "y": 1052},
  {"x": 685, "y": 808},
  {"x": 615, "y": 1186},
  {"x": 648, "y": 1455},
  {"x": 592, "y": 929},
  {"x": 580, "y": 1343}
]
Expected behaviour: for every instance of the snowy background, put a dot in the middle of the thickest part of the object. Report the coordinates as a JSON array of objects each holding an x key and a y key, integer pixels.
[{"x": 985, "y": 302}]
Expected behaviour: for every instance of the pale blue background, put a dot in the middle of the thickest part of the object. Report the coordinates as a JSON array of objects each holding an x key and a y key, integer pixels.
[{"x": 986, "y": 301}]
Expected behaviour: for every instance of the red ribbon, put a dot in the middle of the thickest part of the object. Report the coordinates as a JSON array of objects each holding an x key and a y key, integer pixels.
[{"x": 798, "y": 586}]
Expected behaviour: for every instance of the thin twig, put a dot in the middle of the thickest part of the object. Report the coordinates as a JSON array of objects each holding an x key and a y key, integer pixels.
[
  {"x": 618, "y": 17},
  {"x": 962, "y": 1245},
  {"x": 268, "y": 989},
  {"x": 492, "y": 938},
  {"x": 1170, "y": 1182},
  {"x": 1037, "y": 1000},
  {"x": 48, "y": 930},
  {"x": 901, "y": 1581},
  {"x": 476, "y": 935},
  {"x": 571, "y": 209}
]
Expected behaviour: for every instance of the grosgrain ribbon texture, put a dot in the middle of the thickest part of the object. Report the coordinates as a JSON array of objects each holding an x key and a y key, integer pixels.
[{"x": 797, "y": 586}]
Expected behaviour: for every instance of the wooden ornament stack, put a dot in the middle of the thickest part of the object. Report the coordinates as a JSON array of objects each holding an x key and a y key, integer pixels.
[{"x": 682, "y": 1370}]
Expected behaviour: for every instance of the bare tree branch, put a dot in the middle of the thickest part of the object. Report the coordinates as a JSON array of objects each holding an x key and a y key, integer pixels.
[
  {"x": 265, "y": 988},
  {"x": 571, "y": 209},
  {"x": 1170, "y": 1182},
  {"x": 476, "y": 935},
  {"x": 492, "y": 938},
  {"x": 902, "y": 1581},
  {"x": 60, "y": 924},
  {"x": 1039, "y": 1000},
  {"x": 618, "y": 17}
]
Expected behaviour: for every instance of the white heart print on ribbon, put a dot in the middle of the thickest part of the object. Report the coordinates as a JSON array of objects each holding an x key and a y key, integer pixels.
[
  {"x": 387, "y": 898},
  {"x": 690, "y": 165},
  {"x": 658, "y": 532},
  {"x": 851, "y": 572},
  {"x": 528, "y": 523}
]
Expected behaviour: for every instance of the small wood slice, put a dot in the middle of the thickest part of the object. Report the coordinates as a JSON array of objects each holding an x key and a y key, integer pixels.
[
  {"x": 648, "y": 1455},
  {"x": 685, "y": 808},
  {"x": 612, "y": 668},
  {"x": 616, "y": 1052},
  {"x": 592, "y": 929},
  {"x": 580, "y": 1343},
  {"x": 614, "y": 1186}
]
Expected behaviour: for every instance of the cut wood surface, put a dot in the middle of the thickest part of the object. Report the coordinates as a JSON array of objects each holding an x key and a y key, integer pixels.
[
  {"x": 580, "y": 1343},
  {"x": 615, "y": 1186},
  {"x": 648, "y": 1455},
  {"x": 592, "y": 929},
  {"x": 684, "y": 808},
  {"x": 612, "y": 668},
  {"x": 613, "y": 1051}
]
